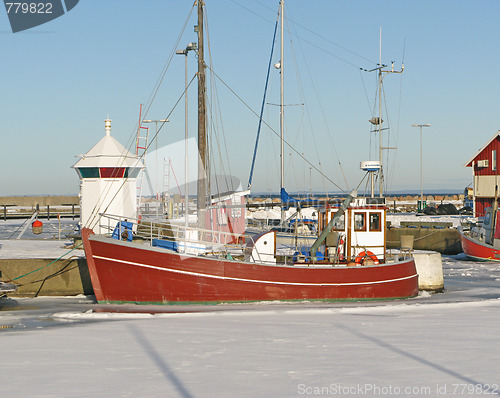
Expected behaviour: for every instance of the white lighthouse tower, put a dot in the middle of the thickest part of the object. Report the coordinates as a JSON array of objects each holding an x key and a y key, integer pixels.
[{"x": 108, "y": 182}]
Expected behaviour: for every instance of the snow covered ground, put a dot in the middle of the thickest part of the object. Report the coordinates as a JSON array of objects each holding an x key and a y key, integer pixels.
[
  {"x": 431, "y": 346},
  {"x": 22, "y": 248},
  {"x": 396, "y": 218}
]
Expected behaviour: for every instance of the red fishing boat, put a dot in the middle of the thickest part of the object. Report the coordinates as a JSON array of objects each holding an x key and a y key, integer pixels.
[
  {"x": 352, "y": 264},
  {"x": 164, "y": 262},
  {"x": 482, "y": 241}
]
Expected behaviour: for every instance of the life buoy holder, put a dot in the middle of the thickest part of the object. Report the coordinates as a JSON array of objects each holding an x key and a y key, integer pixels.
[{"x": 360, "y": 257}]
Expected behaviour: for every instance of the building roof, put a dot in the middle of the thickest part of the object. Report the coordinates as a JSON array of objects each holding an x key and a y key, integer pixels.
[
  {"x": 469, "y": 162},
  {"x": 108, "y": 152}
]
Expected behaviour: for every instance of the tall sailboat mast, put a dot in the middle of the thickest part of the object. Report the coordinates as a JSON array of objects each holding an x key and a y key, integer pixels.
[
  {"x": 202, "y": 139},
  {"x": 282, "y": 109}
]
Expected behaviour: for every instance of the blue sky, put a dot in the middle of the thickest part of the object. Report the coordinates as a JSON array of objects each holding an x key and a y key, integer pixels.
[{"x": 62, "y": 79}]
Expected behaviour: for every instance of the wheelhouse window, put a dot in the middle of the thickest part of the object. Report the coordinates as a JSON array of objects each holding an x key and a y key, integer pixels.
[
  {"x": 340, "y": 224},
  {"x": 375, "y": 222},
  {"x": 360, "y": 221},
  {"x": 487, "y": 218}
]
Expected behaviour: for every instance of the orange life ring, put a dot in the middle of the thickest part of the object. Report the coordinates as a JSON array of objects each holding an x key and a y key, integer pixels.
[{"x": 362, "y": 255}]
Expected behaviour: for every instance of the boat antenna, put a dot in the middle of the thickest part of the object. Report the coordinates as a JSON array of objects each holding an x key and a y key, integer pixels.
[{"x": 377, "y": 121}]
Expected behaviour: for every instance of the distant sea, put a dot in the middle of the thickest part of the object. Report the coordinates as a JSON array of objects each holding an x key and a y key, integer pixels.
[{"x": 316, "y": 195}]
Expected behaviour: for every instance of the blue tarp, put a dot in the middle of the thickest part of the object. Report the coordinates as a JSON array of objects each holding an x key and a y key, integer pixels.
[
  {"x": 305, "y": 251},
  {"x": 165, "y": 244}
]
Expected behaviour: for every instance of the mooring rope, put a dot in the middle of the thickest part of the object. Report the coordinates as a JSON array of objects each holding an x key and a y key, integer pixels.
[{"x": 45, "y": 266}]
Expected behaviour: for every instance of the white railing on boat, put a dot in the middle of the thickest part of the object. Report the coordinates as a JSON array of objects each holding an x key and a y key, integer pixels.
[
  {"x": 200, "y": 241},
  {"x": 193, "y": 240}
]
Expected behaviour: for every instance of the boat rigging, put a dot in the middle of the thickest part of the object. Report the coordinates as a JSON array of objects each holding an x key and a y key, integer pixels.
[{"x": 378, "y": 120}]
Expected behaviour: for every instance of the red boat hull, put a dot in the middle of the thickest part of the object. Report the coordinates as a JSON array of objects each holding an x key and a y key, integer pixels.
[
  {"x": 477, "y": 250},
  {"x": 129, "y": 272}
]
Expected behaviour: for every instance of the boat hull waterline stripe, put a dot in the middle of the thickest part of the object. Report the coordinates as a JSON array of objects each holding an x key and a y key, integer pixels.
[{"x": 251, "y": 280}]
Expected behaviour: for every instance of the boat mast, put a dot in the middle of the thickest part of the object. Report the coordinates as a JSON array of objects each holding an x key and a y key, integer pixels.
[
  {"x": 377, "y": 121},
  {"x": 202, "y": 139},
  {"x": 282, "y": 113},
  {"x": 380, "y": 154}
]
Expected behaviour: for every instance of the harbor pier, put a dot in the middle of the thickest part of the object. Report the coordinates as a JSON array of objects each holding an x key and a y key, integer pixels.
[
  {"x": 20, "y": 207},
  {"x": 44, "y": 268}
]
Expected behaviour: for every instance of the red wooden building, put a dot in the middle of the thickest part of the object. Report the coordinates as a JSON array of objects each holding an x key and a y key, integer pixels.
[{"x": 486, "y": 180}]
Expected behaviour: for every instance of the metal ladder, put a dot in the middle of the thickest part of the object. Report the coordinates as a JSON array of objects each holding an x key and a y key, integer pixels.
[{"x": 140, "y": 151}]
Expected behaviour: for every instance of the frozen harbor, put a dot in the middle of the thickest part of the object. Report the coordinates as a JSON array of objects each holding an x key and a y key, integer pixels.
[
  {"x": 434, "y": 345},
  {"x": 52, "y": 229}
]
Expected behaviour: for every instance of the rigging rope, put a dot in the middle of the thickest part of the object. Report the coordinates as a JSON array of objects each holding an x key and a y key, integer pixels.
[
  {"x": 366, "y": 175},
  {"x": 218, "y": 132},
  {"x": 319, "y": 102},
  {"x": 307, "y": 113},
  {"x": 276, "y": 133},
  {"x": 388, "y": 128},
  {"x": 323, "y": 39},
  {"x": 149, "y": 102},
  {"x": 94, "y": 215},
  {"x": 158, "y": 83},
  {"x": 398, "y": 129},
  {"x": 262, "y": 107}
]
